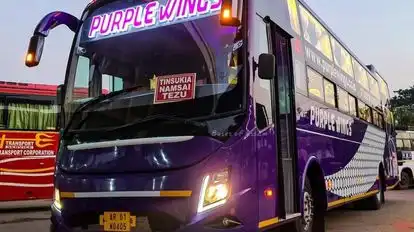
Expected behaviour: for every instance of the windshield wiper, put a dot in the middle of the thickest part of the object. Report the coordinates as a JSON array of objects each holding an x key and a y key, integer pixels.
[
  {"x": 103, "y": 97},
  {"x": 144, "y": 120},
  {"x": 96, "y": 100}
]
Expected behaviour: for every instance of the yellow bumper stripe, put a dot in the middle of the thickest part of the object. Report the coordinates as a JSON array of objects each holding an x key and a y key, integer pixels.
[
  {"x": 353, "y": 198},
  {"x": 175, "y": 193},
  {"x": 393, "y": 186},
  {"x": 268, "y": 222},
  {"x": 67, "y": 195}
]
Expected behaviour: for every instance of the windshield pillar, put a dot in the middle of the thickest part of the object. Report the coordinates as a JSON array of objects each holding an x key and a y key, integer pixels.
[{"x": 95, "y": 81}]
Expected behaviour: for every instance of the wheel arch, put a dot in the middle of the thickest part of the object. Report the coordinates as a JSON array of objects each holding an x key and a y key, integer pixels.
[
  {"x": 313, "y": 168},
  {"x": 409, "y": 170}
]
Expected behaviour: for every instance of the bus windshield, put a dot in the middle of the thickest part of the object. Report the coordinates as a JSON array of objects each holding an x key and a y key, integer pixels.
[{"x": 186, "y": 65}]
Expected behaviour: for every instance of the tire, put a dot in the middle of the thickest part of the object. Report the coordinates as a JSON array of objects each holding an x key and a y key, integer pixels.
[
  {"x": 405, "y": 180},
  {"x": 313, "y": 214},
  {"x": 374, "y": 202},
  {"x": 52, "y": 228}
]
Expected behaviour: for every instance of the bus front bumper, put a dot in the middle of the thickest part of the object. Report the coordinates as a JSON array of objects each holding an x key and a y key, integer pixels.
[{"x": 203, "y": 223}]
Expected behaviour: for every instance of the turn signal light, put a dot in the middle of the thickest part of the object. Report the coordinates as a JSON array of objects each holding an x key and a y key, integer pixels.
[
  {"x": 226, "y": 16},
  {"x": 268, "y": 193},
  {"x": 29, "y": 58}
]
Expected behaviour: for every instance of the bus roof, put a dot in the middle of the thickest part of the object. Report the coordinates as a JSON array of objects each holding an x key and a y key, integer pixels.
[
  {"x": 19, "y": 88},
  {"x": 7, "y": 87}
]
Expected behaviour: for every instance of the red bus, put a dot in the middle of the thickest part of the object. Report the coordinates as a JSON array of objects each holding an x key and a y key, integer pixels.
[{"x": 28, "y": 140}]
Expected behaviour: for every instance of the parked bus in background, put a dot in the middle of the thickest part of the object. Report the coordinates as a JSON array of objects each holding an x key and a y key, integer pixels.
[
  {"x": 223, "y": 115},
  {"x": 405, "y": 151},
  {"x": 28, "y": 141}
]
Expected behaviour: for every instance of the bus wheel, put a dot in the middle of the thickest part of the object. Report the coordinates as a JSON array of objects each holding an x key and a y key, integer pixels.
[
  {"x": 52, "y": 228},
  {"x": 312, "y": 219},
  {"x": 405, "y": 180},
  {"x": 373, "y": 202}
]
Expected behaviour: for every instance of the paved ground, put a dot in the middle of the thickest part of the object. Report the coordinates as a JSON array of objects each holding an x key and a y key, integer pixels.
[
  {"x": 16, "y": 221},
  {"x": 396, "y": 216}
]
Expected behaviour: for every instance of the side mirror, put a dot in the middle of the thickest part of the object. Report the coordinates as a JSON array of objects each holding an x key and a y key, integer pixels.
[
  {"x": 60, "y": 95},
  {"x": 35, "y": 50},
  {"x": 267, "y": 66}
]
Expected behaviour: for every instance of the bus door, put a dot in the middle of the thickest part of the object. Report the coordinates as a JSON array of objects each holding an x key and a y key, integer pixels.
[{"x": 285, "y": 121}]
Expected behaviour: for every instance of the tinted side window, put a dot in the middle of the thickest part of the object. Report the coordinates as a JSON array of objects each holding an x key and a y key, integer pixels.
[
  {"x": 381, "y": 121},
  {"x": 315, "y": 84},
  {"x": 329, "y": 89},
  {"x": 343, "y": 100},
  {"x": 407, "y": 144},
  {"x": 375, "y": 118},
  {"x": 31, "y": 117},
  {"x": 352, "y": 106},
  {"x": 399, "y": 143},
  {"x": 2, "y": 115},
  {"x": 360, "y": 74},
  {"x": 314, "y": 33},
  {"x": 364, "y": 111}
]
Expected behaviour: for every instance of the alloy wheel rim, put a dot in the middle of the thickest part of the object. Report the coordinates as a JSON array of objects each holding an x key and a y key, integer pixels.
[{"x": 307, "y": 210}]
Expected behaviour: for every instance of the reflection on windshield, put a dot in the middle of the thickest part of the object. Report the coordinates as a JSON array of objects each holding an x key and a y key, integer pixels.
[{"x": 188, "y": 70}]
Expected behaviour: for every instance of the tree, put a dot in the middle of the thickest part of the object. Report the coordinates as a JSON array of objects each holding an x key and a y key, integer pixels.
[
  {"x": 403, "y": 97},
  {"x": 402, "y": 105}
]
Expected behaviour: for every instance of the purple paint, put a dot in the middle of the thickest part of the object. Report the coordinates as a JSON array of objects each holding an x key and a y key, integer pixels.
[{"x": 150, "y": 14}]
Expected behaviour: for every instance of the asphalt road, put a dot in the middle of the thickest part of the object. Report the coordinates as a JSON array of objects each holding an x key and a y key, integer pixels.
[{"x": 397, "y": 215}]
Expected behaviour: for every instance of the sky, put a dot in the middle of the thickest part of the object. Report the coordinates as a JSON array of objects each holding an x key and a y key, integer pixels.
[{"x": 379, "y": 32}]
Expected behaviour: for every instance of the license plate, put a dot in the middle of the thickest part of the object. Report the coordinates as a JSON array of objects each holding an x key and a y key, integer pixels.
[{"x": 117, "y": 221}]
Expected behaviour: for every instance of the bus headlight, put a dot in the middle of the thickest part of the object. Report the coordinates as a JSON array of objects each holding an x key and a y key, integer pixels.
[
  {"x": 215, "y": 191},
  {"x": 56, "y": 200}
]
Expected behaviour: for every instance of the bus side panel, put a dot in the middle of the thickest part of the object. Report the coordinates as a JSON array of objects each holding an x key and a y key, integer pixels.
[
  {"x": 350, "y": 161},
  {"x": 267, "y": 175},
  {"x": 27, "y": 161}
]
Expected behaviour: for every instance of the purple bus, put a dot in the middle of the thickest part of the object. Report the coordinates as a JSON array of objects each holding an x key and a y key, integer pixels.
[{"x": 224, "y": 115}]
